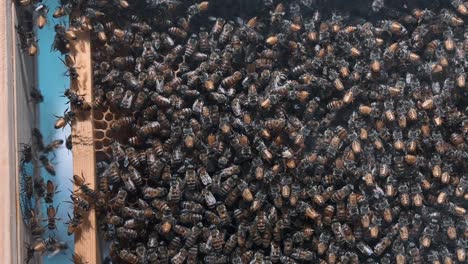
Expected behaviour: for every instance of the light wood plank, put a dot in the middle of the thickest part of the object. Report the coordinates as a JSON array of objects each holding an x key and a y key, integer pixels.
[
  {"x": 8, "y": 236},
  {"x": 84, "y": 159}
]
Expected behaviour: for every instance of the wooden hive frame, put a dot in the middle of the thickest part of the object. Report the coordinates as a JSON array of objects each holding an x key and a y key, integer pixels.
[{"x": 84, "y": 153}]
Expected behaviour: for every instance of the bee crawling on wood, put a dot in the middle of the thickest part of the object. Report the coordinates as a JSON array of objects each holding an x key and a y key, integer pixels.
[
  {"x": 89, "y": 193},
  {"x": 71, "y": 69},
  {"x": 76, "y": 100},
  {"x": 80, "y": 205},
  {"x": 74, "y": 223},
  {"x": 77, "y": 259}
]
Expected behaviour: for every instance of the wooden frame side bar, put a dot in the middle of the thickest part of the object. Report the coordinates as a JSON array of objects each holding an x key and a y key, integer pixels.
[
  {"x": 84, "y": 157},
  {"x": 8, "y": 233}
]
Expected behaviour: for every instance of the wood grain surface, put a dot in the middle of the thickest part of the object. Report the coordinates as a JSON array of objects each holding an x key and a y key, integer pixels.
[{"x": 84, "y": 158}]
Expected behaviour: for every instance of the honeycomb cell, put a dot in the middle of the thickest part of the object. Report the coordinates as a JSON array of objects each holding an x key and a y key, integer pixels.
[
  {"x": 98, "y": 134},
  {"x": 109, "y": 133},
  {"x": 109, "y": 116},
  {"x": 98, "y": 115},
  {"x": 98, "y": 124},
  {"x": 98, "y": 145},
  {"x": 106, "y": 142}
]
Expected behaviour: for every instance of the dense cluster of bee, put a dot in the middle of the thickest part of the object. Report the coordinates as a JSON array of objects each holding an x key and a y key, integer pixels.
[{"x": 298, "y": 135}]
